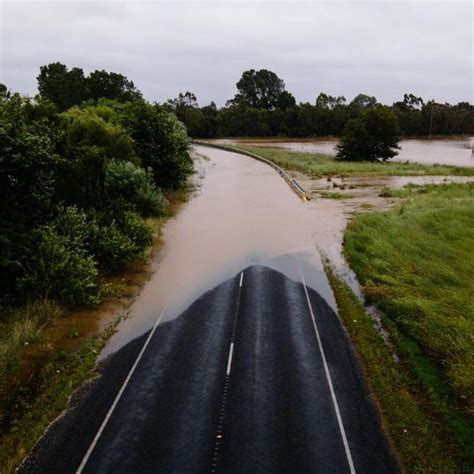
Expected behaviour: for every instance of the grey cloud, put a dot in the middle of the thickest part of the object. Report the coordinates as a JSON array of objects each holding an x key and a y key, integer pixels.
[{"x": 384, "y": 49}]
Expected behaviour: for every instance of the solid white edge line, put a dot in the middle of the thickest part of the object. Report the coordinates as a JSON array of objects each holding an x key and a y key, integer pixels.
[
  {"x": 328, "y": 377},
  {"x": 241, "y": 279},
  {"x": 229, "y": 360},
  {"x": 117, "y": 398}
]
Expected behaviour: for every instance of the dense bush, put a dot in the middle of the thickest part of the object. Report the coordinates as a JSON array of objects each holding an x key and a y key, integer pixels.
[
  {"x": 129, "y": 183},
  {"x": 76, "y": 185},
  {"x": 58, "y": 266}
]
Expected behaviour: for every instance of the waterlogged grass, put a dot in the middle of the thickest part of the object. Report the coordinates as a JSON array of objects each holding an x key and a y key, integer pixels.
[
  {"x": 409, "y": 190},
  {"x": 21, "y": 327},
  {"x": 416, "y": 264},
  {"x": 334, "y": 195},
  {"x": 319, "y": 165},
  {"x": 421, "y": 440},
  {"x": 35, "y": 409}
]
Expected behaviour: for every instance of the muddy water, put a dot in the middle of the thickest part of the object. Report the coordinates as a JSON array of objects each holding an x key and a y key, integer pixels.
[
  {"x": 243, "y": 214},
  {"x": 456, "y": 151}
]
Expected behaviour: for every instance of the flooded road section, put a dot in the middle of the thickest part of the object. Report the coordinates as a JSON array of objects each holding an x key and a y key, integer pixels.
[
  {"x": 457, "y": 151},
  {"x": 244, "y": 214}
]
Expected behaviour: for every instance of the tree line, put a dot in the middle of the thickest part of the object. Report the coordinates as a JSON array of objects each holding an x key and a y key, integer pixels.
[
  {"x": 81, "y": 166},
  {"x": 263, "y": 107}
]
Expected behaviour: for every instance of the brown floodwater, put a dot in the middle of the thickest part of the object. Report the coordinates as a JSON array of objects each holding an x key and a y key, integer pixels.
[
  {"x": 242, "y": 214},
  {"x": 456, "y": 151}
]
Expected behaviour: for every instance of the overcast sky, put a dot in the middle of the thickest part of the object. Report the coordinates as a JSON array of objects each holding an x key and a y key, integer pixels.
[{"x": 342, "y": 48}]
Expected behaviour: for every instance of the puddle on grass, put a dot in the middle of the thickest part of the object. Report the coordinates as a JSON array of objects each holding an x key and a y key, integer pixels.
[{"x": 455, "y": 150}]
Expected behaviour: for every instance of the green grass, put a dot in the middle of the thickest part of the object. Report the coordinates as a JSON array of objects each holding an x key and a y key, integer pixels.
[
  {"x": 416, "y": 264},
  {"x": 318, "y": 165},
  {"x": 421, "y": 440}
]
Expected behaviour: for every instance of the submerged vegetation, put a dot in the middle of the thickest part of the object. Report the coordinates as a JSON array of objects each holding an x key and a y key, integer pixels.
[{"x": 416, "y": 265}]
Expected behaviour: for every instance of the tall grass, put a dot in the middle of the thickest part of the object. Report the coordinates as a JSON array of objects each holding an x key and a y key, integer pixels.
[
  {"x": 416, "y": 263},
  {"x": 22, "y": 326},
  {"x": 421, "y": 441},
  {"x": 319, "y": 165}
]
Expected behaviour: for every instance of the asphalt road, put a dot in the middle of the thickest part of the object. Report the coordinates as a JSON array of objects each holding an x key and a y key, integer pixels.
[{"x": 257, "y": 376}]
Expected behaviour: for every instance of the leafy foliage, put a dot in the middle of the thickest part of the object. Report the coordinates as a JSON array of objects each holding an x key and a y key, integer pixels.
[
  {"x": 77, "y": 180},
  {"x": 129, "y": 183},
  {"x": 372, "y": 136},
  {"x": 67, "y": 87},
  {"x": 59, "y": 266},
  {"x": 161, "y": 142},
  {"x": 262, "y": 89}
]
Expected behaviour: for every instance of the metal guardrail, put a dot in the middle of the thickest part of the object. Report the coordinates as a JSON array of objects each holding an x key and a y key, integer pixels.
[{"x": 290, "y": 181}]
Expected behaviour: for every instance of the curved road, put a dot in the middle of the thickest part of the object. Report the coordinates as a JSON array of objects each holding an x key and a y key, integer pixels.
[{"x": 258, "y": 375}]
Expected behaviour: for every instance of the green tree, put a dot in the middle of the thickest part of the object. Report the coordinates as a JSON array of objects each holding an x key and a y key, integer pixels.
[
  {"x": 372, "y": 136},
  {"x": 62, "y": 86},
  {"x": 262, "y": 89},
  {"x": 160, "y": 142},
  {"x": 111, "y": 85},
  {"x": 4, "y": 93},
  {"x": 364, "y": 101}
]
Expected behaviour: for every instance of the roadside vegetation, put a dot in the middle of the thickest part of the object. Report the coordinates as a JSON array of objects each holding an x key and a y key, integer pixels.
[
  {"x": 421, "y": 439},
  {"x": 415, "y": 264},
  {"x": 320, "y": 166},
  {"x": 85, "y": 168}
]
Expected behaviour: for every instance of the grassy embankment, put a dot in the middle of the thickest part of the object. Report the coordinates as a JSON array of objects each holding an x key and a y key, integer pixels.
[
  {"x": 416, "y": 264},
  {"x": 38, "y": 373},
  {"x": 318, "y": 165}
]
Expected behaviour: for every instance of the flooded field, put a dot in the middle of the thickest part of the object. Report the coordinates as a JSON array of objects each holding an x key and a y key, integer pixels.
[{"x": 456, "y": 151}]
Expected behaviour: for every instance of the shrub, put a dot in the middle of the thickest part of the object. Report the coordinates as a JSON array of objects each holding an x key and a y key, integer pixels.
[
  {"x": 112, "y": 242},
  {"x": 137, "y": 230},
  {"x": 110, "y": 246},
  {"x": 60, "y": 268},
  {"x": 134, "y": 185}
]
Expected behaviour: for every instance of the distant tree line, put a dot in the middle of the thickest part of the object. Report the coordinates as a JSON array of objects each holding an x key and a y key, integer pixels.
[
  {"x": 263, "y": 107},
  {"x": 81, "y": 166}
]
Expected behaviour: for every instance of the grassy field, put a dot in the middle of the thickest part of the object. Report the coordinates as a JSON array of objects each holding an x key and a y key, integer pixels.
[
  {"x": 422, "y": 442},
  {"x": 416, "y": 264},
  {"x": 317, "y": 165}
]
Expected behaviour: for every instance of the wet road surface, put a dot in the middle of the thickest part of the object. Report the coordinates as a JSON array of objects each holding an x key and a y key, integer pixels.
[{"x": 257, "y": 375}]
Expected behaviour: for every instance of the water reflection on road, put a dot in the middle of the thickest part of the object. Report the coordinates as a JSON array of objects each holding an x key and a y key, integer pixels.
[{"x": 244, "y": 214}]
